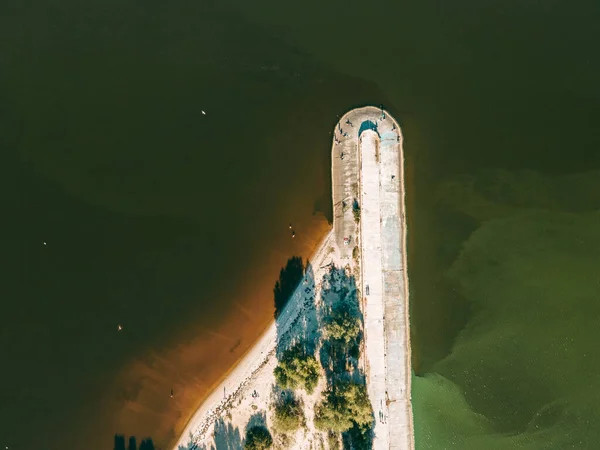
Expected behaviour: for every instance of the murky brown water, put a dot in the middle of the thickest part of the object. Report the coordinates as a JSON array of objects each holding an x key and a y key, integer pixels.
[{"x": 155, "y": 216}]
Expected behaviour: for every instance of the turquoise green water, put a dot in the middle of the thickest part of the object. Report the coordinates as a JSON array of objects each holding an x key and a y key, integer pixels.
[{"x": 521, "y": 373}]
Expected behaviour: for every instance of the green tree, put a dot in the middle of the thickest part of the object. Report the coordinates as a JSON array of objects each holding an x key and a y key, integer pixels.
[
  {"x": 258, "y": 438},
  {"x": 342, "y": 326},
  {"x": 288, "y": 415},
  {"x": 297, "y": 369},
  {"x": 333, "y": 414},
  {"x": 344, "y": 405}
]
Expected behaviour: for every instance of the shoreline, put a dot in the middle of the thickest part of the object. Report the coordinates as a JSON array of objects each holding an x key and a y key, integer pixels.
[
  {"x": 385, "y": 309},
  {"x": 219, "y": 381},
  {"x": 227, "y": 389}
]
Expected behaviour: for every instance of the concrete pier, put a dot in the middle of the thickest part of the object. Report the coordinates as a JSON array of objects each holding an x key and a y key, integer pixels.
[{"x": 368, "y": 183}]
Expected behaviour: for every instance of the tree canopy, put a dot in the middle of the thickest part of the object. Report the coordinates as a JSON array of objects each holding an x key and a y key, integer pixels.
[
  {"x": 297, "y": 369},
  {"x": 288, "y": 415},
  {"x": 258, "y": 438},
  {"x": 345, "y": 405},
  {"x": 342, "y": 327}
]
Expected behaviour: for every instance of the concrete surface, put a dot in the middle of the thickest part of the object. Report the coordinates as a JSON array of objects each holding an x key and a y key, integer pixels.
[{"x": 372, "y": 172}]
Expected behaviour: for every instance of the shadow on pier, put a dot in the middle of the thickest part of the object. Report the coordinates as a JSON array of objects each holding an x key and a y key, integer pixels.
[{"x": 367, "y": 125}]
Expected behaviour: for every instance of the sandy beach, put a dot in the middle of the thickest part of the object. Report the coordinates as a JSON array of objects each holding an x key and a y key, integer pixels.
[
  {"x": 368, "y": 178},
  {"x": 261, "y": 356}
]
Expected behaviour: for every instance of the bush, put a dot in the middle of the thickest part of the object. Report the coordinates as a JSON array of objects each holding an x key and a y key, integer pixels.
[
  {"x": 343, "y": 407},
  {"x": 288, "y": 416},
  {"x": 297, "y": 369},
  {"x": 258, "y": 438},
  {"x": 359, "y": 438},
  {"x": 356, "y": 210},
  {"x": 333, "y": 414},
  {"x": 342, "y": 327},
  {"x": 355, "y": 253}
]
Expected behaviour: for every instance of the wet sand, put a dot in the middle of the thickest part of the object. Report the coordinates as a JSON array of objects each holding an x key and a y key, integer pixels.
[
  {"x": 249, "y": 370},
  {"x": 198, "y": 359}
]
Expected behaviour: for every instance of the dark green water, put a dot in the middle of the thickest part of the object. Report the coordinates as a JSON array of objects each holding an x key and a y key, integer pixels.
[{"x": 162, "y": 218}]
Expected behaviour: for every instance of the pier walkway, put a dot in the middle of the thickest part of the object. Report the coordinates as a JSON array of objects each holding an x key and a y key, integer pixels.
[{"x": 368, "y": 175}]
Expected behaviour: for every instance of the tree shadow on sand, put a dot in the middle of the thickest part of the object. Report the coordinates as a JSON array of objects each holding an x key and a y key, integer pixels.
[
  {"x": 289, "y": 278},
  {"x": 226, "y": 436},
  {"x": 192, "y": 446},
  {"x": 302, "y": 328}
]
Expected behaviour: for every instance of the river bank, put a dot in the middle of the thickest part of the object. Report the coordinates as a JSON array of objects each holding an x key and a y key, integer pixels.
[
  {"x": 379, "y": 264},
  {"x": 230, "y": 391}
]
